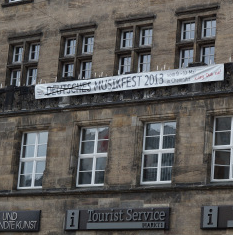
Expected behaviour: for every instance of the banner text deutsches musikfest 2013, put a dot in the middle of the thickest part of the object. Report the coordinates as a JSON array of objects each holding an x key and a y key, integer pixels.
[{"x": 131, "y": 81}]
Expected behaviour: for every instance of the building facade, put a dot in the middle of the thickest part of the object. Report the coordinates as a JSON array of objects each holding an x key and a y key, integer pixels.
[{"x": 116, "y": 117}]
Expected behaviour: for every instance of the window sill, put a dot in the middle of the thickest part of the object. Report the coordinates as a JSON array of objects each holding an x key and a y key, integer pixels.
[{"x": 17, "y": 3}]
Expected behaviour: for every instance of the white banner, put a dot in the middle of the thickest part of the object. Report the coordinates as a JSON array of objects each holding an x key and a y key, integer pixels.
[{"x": 131, "y": 81}]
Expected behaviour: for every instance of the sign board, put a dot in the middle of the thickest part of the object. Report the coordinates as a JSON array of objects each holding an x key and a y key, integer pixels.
[
  {"x": 118, "y": 219},
  {"x": 131, "y": 82},
  {"x": 19, "y": 221},
  {"x": 217, "y": 217}
]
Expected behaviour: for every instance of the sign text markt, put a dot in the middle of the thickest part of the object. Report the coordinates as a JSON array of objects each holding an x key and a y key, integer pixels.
[
  {"x": 131, "y": 81},
  {"x": 118, "y": 219},
  {"x": 19, "y": 221}
]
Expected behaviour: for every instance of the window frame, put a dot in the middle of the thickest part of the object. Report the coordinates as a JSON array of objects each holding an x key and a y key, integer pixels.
[
  {"x": 17, "y": 78},
  {"x": 122, "y": 66},
  {"x": 182, "y": 30},
  {"x": 37, "y": 51},
  {"x": 125, "y": 39},
  {"x": 94, "y": 156},
  {"x": 73, "y": 48},
  {"x": 34, "y": 76},
  {"x": 158, "y": 151},
  {"x": 181, "y": 58},
  {"x": 85, "y": 70},
  {"x": 20, "y": 54},
  {"x": 141, "y": 55},
  {"x": 146, "y": 38},
  {"x": 90, "y": 46},
  {"x": 209, "y": 55},
  {"x": 222, "y": 147},
  {"x": 33, "y": 159},
  {"x": 64, "y": 72},
  {"x": 211, "y": 29}
]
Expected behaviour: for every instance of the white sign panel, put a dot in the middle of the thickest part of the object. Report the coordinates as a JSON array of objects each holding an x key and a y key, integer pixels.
[{"x": 131, "y": 81}]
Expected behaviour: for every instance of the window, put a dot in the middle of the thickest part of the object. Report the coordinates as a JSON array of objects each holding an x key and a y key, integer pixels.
[
  {"x": 158, "y": 152},
  {"x": 15, "y": 0},
  {"x": 15, "y": 77},
  {"x": 86, "y": 69},
  {"x": 186, "y": 57},
  {"x": 32, "y": 159},
  {"x": 144, "y": 63},
  {"x": 126, "y": 38},
  {"x": 209, "y": 28},
  {"x": 18, "y": 53},
  {"x": 70, "y": 46},
  {"x": 92, "y": 156},
  {"x": 23, "y": 60},
  {"x": 188, "y": 30},
  {"x": 34, "y": 51},
  {"x": 196, "y": 41},
  {"x": 68, "y": 70},
  {"x": 134, "y": 45},
  {"x": 124, "y": 65},
  {"x": 76, "y": 52},
  {"x": 88, "y": 43},
  {"x": 207, "y": 54},
  {"x": 31, "y": 76},
  {"x": 222, "y": 160},
  {"x": 145, "y": 36}
]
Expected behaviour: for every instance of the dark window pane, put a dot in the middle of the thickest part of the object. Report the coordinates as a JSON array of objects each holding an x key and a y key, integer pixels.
[
  {"x": 101, "y": 163},
  {"x": 221, "y": 172},
  {"x": 38, "y": 180},
  {"x": 103, "y": 133},
  {"x": 29, "y": 138},
  {"x": 153, "y": 129},
  {"x": 169, "y": 142},
  {"x": 26, "y": 168},
  {"x": 151, "y": 160},
  {"x": 152, "y": 143},
  {"x": 222, "y": 138},
  {"x": 25, "y": 181},
  {"x": 150, "y": 174},
  {"x": 86, "y": 164},
  {"x": 87, "y": 147},
  {"x": 102, "y": 146},
  {"x": 99, "y": 177},
  {"x": 88, "y": 134},
  {"x": 223, "y": 124},
  {"x": 84, "y": 178},
  {"x": 169, "y": 128},
  {"x": 167, "y": 159},
  {"x": 166, "y": 174},
  {"x": 222, "y": 157}
]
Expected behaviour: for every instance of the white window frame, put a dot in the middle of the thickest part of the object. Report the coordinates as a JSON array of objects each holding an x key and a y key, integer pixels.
[
  {"x": 35, "y": 159},
  {"x": 187, "y": 32},
  {"x": 93, "y": 156},
  {"x": 15, "y": 1},
  {"x": 85, "y": 69},
  {"x": 36, "y": 52},
  {"x": 147, "y": 38},
  {"x": 90, "y": 45},
  {"x": 72, "y": 48},
  {"x": 125, "y": 67},
  {"x": 211, "y": 29},
  {"x": 33, "y": 77},
  {"x": 228, "y": 147},
  {"x": 17, "y": 78},
  {"x": 181, "y": 63},
  {"x": 128, "y": 40},
  {"x": 68, "y": 70},
  {"x": 19, "y": 54},
  {"x": 202, "y": 54},
  {"x": 144, "y": 60},
  {"x": 158, "y": 151}
]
